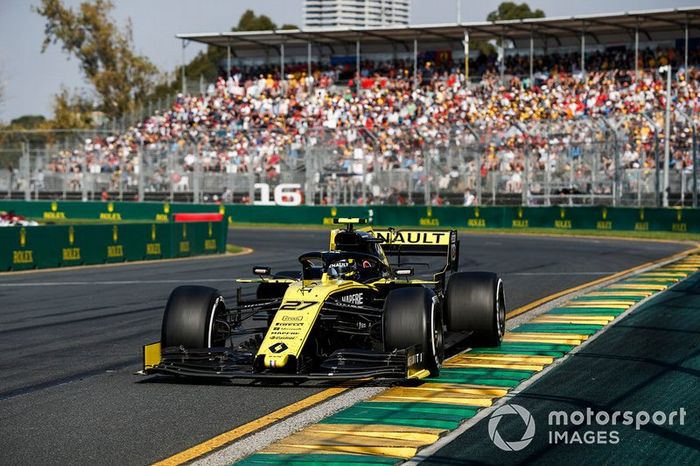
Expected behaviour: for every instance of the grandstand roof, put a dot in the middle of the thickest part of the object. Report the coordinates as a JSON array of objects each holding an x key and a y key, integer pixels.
[{"x": 556, "y": 31}]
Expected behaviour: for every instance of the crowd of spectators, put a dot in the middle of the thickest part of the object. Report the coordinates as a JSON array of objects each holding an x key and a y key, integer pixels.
[{"x": 566, "y": 124}]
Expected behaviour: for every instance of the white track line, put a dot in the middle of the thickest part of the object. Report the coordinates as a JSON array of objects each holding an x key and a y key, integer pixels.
[{"x": 114, "y": 282}]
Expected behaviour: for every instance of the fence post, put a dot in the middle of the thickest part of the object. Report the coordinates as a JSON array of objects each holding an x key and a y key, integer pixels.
[
  {"x": 196, "y": 174},
  {"x": 309, "y": 171},
  {"x": 478, "y": 174},
  {"x": 695, "y": 164},
  {"x": 616, "y": 174},
  {"x": 657, "y": 177},
  {"x": 141, "y": 163},
  {"x": 83, "y": 177},
  {"x": 171, "y": 173},
  {"x": 426, "y": 175},
  {"x": 526, "y": 174},
  {"x": 547, "y": 179},
  {"x": 27, "y": 171},
  {"x": 364, "y": 178}
]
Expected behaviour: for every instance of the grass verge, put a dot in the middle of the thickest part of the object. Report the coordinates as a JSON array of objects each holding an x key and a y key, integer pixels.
[{"x": 232, "y": 248}]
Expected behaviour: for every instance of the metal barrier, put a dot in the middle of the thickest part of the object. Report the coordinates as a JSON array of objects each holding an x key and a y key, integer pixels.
[
  {"x": 517, "y": 217},
  {"x": 70, "y": 245}
]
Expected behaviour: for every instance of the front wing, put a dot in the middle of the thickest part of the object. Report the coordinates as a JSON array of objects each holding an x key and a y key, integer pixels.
[{"x": 225, "y": 363}]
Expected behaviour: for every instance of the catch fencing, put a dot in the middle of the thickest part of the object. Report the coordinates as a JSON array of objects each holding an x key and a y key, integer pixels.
[{"x": 613, "y": 161}]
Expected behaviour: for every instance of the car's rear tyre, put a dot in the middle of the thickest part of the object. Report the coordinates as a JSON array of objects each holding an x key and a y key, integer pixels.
[
  {"x": 412, "y": 316},
  {"x": 475, "y": 302},
  {"x": 189, "y": 318}
]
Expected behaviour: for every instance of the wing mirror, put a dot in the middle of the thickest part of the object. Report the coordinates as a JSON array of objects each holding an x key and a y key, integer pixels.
[{"x": 262, "y": 271}]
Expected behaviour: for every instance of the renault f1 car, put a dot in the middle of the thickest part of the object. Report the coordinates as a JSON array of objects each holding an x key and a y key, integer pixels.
[{"x": 348, "y": 313}]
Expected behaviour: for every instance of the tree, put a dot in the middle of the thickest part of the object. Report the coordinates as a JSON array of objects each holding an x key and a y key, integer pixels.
[
  {"x": 506, "y": 11},
  {"x": 71, "y": 110},
  {"x": 29, "y": 121},
  {"x": 249, "y": 22},
  {"x": 119, "y": 76},
  {"x": 206, "y": 63},
  {"x": 512, "y": 10}
]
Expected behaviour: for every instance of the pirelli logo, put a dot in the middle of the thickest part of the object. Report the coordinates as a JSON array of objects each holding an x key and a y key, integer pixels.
[{"x": 433, "y": 238}]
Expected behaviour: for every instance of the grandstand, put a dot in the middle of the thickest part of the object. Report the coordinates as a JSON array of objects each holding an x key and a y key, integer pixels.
[{"x": 395, "y": 115}]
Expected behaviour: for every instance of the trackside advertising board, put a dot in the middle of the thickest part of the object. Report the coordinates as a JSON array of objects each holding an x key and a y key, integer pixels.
[{"x": 66, "y": 245}]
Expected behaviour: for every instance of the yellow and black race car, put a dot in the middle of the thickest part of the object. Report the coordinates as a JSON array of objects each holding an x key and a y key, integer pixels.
[{"x": 348, "y": 313}]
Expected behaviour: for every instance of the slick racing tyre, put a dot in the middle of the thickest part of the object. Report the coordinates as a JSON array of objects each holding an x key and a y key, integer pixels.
[
  {"x": 412, "y": 316},
  {"x": 189, "y": 318},
  {"x": 475, "y": 302}
]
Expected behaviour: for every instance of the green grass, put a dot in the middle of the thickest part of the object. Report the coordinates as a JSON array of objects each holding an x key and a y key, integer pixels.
[{"x": 232, "y": 248}]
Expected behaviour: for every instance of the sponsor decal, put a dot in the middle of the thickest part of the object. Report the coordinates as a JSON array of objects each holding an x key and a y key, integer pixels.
[
  {"x": 679, "y": 226},
  {"x": 153, "y": 249},
  {"x": 71, "y": 254},
  {"x": 520, "y": 222},
  {"x": 429, "y": 221},
  {"x": 414, "y": 359},
  {"x": 562, "y": 222},
  {"x": 476, "y": 221},
  {"x": 414, "y": 237},
  {"x": 164, "y": 217},
  {"x": 110, "y": 214},
  {"x": 604, "y": 224},
  {"x": 23, "y": 257},
  {"x": 278, "y": 347},
  {"x": 210, "y": 244},
  {"x": 116, "y": 250},
  {"x": 292, "y": 318},
  {"x": 329, "y": 220},
  {"x": 54, "y": 213},
  {"x": 355, "y": 298},
  {"x": 184, "y": 246}
]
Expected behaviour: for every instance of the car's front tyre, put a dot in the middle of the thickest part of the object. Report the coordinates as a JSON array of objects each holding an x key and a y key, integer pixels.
[{"x": 190, "y": 317}]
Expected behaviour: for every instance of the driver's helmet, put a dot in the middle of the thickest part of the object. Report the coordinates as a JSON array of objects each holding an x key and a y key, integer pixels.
[{"x": 345, "y": 269}]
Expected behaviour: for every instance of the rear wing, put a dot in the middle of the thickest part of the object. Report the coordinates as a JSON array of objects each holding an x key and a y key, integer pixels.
[{"x": 421, "y": 243}]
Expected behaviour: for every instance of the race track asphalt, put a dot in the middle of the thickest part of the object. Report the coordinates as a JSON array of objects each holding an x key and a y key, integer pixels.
[{"x": 70, "y": 342}]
